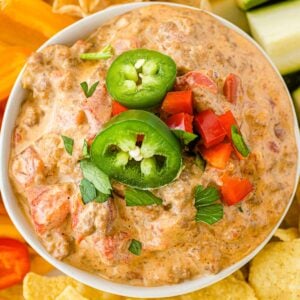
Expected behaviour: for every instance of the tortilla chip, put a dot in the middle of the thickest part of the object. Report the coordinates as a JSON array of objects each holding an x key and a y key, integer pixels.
[
  {"x": 70, "y": 293},
  {"x": 230, "y": 288},
  {"x": 287, "y": 235},
  {"x": 274, "y": 272},
  {"x": 12, "y": 293},
  {"x": 48, "y": 288},
  {"x": 69, "y": 7}
]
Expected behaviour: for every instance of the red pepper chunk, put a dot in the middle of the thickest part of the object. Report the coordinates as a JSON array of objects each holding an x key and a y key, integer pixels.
[
  {"x": 227, "y": 120},
  {"x": 181, "y": 121},
  {"x": 117, "y": 108},
  {"x": 209, "y": 127},
  {"x": 235, "y": 189},
  {"x": 177, "y": 102},
  {"x": 218, "y": 155},
  {"x": 230, "y": 88},
  {"x": 14, "y": 262}
]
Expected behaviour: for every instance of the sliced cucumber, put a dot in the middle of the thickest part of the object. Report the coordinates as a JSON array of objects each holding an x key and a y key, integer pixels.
[
  {"x": 228, "y": 9},
  {"x": 296, "y": 97},
  {"x": 247, "y": 4},
  {"x": 277, "y": 28}
]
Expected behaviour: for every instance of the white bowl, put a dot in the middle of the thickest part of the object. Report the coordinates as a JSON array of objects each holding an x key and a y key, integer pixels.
[{"x": 69, "y": 35}]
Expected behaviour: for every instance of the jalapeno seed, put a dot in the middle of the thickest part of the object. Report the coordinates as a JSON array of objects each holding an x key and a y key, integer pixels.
[{"x": 140, "y": 78}]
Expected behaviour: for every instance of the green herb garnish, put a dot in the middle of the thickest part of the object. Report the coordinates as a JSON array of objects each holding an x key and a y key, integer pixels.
[
  {"x": 200, "y": 162},
  {"x": 135, "y": 197},
  {"x": 135, "y": 247},
  {"x": 87, "y": 190},
  {"x": 239, "y": 142},
  {"x": 89, "y": 91},
  {"x": 105, "y": 53},
  {"x": 99, "y": 179},
  {"x": 208, "y": 211},
  {"x": 68, "y": 143},
  {"x": 184, "y": 136},
  {"x": 101, "y": 198},
  {"x": 85, "y": 150}
]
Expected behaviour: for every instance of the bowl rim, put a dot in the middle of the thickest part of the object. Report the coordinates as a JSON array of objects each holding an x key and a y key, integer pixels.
[{"x": 67, "y": 36}]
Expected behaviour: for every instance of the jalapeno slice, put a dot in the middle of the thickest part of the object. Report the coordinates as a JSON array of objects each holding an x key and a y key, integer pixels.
[
  {"x": 140, "y": 78},
  {"x": 137, "y": 149}
]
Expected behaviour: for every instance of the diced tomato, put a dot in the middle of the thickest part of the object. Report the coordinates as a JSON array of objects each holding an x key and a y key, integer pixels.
[
  {"x": 230, "y": 88},
  {"x": 117, "y": 108},
  {"x": 218, "y": 155},
  {"x": 49, "y": 205},
  {"x": 195, "y": 79},
  {"x": 227, "y": 120},
  {"x": 235, "y": 189},
  {"x": 177, "y": 102},
  {"x": 181, "y": 121},
  {"x": 14, "y": 262},
  {"x": 209, "y": 127}
]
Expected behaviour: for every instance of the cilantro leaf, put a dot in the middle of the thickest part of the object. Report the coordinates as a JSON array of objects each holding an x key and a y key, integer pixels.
[
  {"x": 239, "y": 142},
  {"x": 135, "y": 247},
  {"x": 85, "y": 150},
  {"x": 101, "y": 198},
  {"x": 97, "y": 177},
  {"x": 89, "y": 92},
  {"x": 205, "y": 196},
  {"x": 210, "y": 214},
  {"x": 68, "y": 143},
  {"x": 135, "y": 197},
  {"x": 184, "y": 136},
  {"x": 87, "y": 190},
  {"x": 208, "y": 211}
]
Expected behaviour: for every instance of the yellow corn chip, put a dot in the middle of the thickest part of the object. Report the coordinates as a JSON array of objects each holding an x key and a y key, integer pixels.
[
  {"x": 229, "y": 288},
  {"x": 70, "y": 293},
  {"x": 287, "y": 235},
  {"x": 274, "y": 272},
  {"x": 48, "y": 288}
]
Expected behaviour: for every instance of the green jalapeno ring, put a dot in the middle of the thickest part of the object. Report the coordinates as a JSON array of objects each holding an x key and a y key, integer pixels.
[
  {"x": 140, "y": 78},
  {"x": 155, "y": 163}
]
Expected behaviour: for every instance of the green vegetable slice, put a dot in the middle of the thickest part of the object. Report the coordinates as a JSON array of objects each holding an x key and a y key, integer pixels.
[
  {"x": 68, "y": 143},
  {"x": 153, "y": 162},
  {"x": 135, "y": 247},
  {"x": 135, "y": 197},
  {"x": 105, "y": 53},
  {"x": 208, "y": 211},
  {"x": 238, "y": 141},
  {"x": 184, "y": 136},
  {"x": 141, "y": 78},
  {"x": 87, "y": 190},
  {"x": 89, "y": 91},
  {"x": 99, "y": 179}
]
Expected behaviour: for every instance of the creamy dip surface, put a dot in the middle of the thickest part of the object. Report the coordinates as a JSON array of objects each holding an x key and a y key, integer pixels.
[{"x": 95, "y": 236}]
